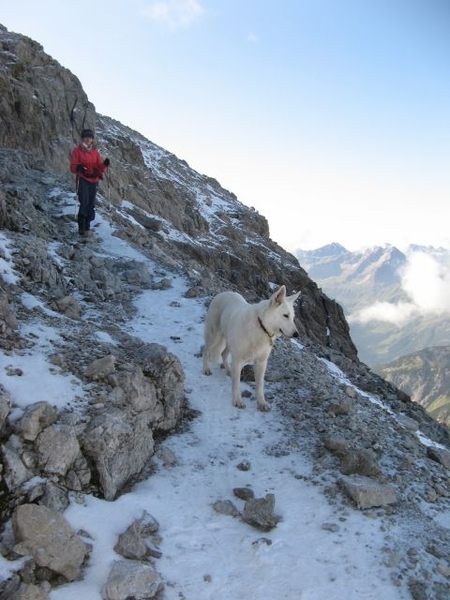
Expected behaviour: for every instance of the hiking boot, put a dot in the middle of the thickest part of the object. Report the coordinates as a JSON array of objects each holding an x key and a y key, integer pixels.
[{"x": 81, "y": 225}]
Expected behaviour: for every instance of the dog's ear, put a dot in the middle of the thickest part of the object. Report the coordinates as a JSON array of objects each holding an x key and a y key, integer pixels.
[
  {"x": 294, "y": 297},
  {"x": 279, "y": 296}
]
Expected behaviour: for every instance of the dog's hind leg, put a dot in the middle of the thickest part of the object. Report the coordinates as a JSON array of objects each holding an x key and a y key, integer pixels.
[
  {"x": 260, "y": 371},
  {"x": 206, "y": 358},
  {"x": 225, "y": 362},
  {"x": 213, "y": 349},
  {"x": 236, "y": 368}
]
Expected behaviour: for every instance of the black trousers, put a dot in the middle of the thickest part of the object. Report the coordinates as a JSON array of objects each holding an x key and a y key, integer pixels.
[{"x": 87, "y": 192}]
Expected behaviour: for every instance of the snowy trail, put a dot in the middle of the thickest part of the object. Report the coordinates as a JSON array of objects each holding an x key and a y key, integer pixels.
[
  {"x": 209, "y": 556},
  {"x": 212, "y": 556}
]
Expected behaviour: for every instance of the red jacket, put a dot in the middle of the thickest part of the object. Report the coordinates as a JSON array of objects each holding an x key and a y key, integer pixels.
[{"x": 90, "y": 159}]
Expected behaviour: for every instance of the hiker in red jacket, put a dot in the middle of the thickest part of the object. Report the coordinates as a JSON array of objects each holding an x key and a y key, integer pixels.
[{"x": 89, "y": 167}]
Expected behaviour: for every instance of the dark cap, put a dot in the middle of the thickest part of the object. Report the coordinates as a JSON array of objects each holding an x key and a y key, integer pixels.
[{"x": 87, "y": 133}]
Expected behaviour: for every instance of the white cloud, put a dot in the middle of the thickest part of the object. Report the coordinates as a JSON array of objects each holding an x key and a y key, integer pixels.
[
  {"x": 174, "y": 14},
  {"x": 426, "y": 282},
  {"x": 253, "y": 38},
  {"x": 398, "y": 314}
]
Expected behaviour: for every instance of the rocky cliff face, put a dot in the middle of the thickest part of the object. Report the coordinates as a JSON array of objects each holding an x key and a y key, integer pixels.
[
  {"x": 129, "y": 395},
  {"x": 43, "y": 106}
]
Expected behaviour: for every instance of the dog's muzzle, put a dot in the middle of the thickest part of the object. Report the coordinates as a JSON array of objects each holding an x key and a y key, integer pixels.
[{"x": 290, "y": 335}]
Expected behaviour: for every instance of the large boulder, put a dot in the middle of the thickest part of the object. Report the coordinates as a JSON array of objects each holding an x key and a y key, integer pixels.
[
  {"x": 120, "y": 444},
  {"x": 47, "y": 536}
]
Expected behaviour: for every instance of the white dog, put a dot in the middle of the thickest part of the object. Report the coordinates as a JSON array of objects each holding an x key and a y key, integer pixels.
[{"x": 246, "y": 332}]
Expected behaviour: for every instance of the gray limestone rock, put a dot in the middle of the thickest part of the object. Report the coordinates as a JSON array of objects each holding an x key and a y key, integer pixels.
[
  {"x": 132, "y": 579},
  {"x": 367, "y": 493},
  {"x": 48, "y": 538},
  {"x": 259, "y": 512}
]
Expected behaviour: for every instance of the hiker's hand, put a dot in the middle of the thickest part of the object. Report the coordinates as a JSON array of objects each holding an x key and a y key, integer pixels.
[
  {"x": 106, "y": 162},
  {"x": 81, "y": 169}
]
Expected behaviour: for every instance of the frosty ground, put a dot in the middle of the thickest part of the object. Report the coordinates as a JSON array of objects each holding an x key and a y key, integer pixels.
[{"x": 318, "y": 549}]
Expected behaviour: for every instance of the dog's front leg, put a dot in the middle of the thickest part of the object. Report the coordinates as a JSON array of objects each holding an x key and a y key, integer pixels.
[
  {"x": 260, "y": 371},
  {"x": 236, "y": 368}
]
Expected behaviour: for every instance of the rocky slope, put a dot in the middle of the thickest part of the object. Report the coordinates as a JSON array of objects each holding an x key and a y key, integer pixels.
[{"x": 363, "y": 438}]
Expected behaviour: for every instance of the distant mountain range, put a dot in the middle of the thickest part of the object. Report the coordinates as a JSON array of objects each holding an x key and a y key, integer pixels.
[
  {"x": 397, "y": 305},
  {"x": 394, "y": 301}
]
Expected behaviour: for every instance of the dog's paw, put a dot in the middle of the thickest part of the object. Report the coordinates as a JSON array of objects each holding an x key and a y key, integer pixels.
[
  {"x": 207, "y": 372},
  {"x": 263, "y": 407},
  {"x": 239, "y": 404}
]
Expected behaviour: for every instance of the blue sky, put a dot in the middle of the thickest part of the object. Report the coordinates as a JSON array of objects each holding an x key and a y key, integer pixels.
[{"x": 330, "y": 117}]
